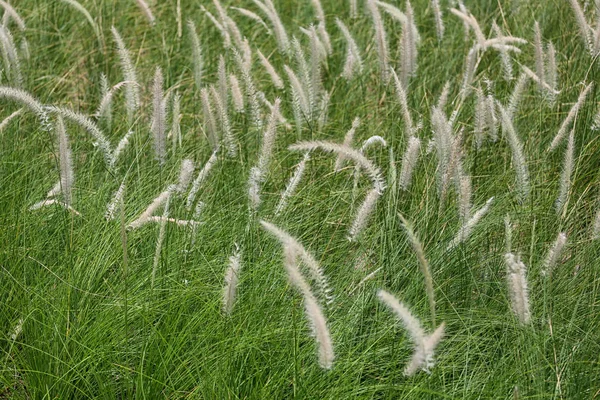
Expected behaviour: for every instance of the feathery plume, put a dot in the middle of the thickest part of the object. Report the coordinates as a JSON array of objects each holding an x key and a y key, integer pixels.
[
  {"x": 408, "y": 47},
  {"x": 146, "y": 10},
  {"x": 409, "y": 162},
  {"x": 551, "y": 73},
  {"x": 323, "y": 109},
  {"x": 268, "y": 141},
  {"x": 16, "y": 332},
  {"x": 363, "y": 214},
  {"x": 90, "y": 126},
  {"x": 539, "y": 54},
  {"x": 132, "y": 95},
  {"x": 236, "y": 94},
  {"x": 258, "y": 173},
  {"x": 320, "y": 331},
  {"x": 225, "y": 124},
  {"x": 565, "y": 176},
  {"x": 221, "y": 28},
  {"x": 196, "y": 54},
  {"x": 231, "y": 280},
  {"x": 393, "y": 12},
  {"x": 289, "y": 243},
  {"x": 176, "y": 122},
  {"x": 280, "y": 34},
  {"x": 247, "y": 13},
  {"x": 424, "y": 345},
  {"x": 185, "y": 176},
  {"x": 481, "y": 118},
  {"x": 290, "y": 189},
  {"x": 364, "y": 280},
  {"x": 443, "y": 99},
  {"x": 439, "y": 23},
  {"x": 353, "y": 64},
  {"x": 25, "y": 98},
  {"x": 49, "y": 202},
  {"x": 518, "y": 159},
  {"x": 348, "y": 138},
  {"x": 160, "y": 240},
  {"x": 250, "y": 89},
  {"x": 210, "y": 123},
  {"x": 275, "y": 79},
  {"x": 517, "y": 284},
  {"x": 508, "y": 233},
  {"x": 491, "y": 118},
  {"x": 123, "y": 143},
  {"x": 596, "y": 228},
  {"x": 347, "y": 152},
  {"x": 409, "y": 128},
  {"x": 115, "y": 203},
  {"x": 372, "y": 141},
  {"x": 554, "y": 254},
  {"x": 540, "y": 81},
  {"x": 467, "y": 227},
  {"x": 324, "y": 37},
  {"x": 353, "y": 9},
  {"x": 571, "y": 116},
  {"x": 442, "y": 131},
  {"x": 179, "y": 222},
  {"x": 223, "y": 92},
  {"x": 470, "y": 66},
  {"x": 11, "y": 56},
  {"x": 104, "y": 111},
  {"x": 470, "y": 20},
  {"x": 320, "y": 14},
  {"x": 8, "y": 119},
  {"x": 582, "y": 24},
  {"x": 316, "y": 85},
  {"x": 516, "y": 95},
  {"x": 67, "y": 176},
  {"x": 13, "y": 14},
  {"x": 464, "y": 197},
  {"x": 504, "y": 55},
  {"x": 178, "y": 18},
  {"x": 161, "y": 199},
  {"x": 158, "y": 117},
  {"x": 380, "y": 39},
  {"x": 200, "y": 178},
  {"x": 423, "y": 263},
  {"x": 300, "y": 102}
]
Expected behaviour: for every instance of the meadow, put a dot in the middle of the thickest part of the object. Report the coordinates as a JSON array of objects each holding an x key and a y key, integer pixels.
[{"x": 272, "y": 199}]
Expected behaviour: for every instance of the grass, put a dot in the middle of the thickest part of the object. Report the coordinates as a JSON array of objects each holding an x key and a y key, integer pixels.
[{"x": 94, "y": 328}]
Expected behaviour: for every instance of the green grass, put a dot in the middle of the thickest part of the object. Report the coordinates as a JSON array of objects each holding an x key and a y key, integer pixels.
[{"x": 94, "y": 328}]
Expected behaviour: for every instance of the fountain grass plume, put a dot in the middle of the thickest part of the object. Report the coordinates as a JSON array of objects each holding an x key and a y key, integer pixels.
[
  {"x": 348, "y": 139},
  {"x": 231, "y": 280},
  {"x": 159, "y": 117},
  {"x": 554, "y": 254},
  {"x": 290, "y": 243},
  {"x": 570, "y": 118},
  {"x": 517, "y": 284},
  {"x": 290, "y": 188},
  {"x": 566, "y": 175},
  {"x": 275, "y": 78},
  {"x": 346, "y": 151},
  {"x": 423, "y": 345},
  {"x": 518, "y": 159},
  {"x": 423, "y": 263}
]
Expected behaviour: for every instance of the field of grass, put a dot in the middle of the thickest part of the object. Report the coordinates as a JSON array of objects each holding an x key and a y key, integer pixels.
[{"x": 92, "y": 308}]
